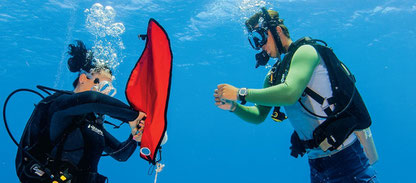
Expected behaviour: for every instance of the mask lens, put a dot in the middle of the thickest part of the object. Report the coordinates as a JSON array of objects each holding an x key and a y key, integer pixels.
[
  {"x": 105, "y": 87},
  {"x": 112, "y": 92},
  {"x": 257, "y": 38}
]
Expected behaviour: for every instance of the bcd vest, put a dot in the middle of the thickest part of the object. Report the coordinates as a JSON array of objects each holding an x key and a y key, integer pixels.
[{"x": 349, "y": 112}]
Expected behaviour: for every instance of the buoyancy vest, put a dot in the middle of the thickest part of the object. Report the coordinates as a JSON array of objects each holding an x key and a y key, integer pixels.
[
  {"x": 34, "y": 163},
  {"x": 349, "y": 112},
  {"x": 39, "y": 159}
]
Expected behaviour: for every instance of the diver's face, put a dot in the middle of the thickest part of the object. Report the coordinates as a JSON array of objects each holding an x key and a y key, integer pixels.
[
  {"x": 100, "y": 78},
  {"x": 270, "y": 47},
  {"x": 103, "y": 84},
  {"x": 91, "y": 83}
]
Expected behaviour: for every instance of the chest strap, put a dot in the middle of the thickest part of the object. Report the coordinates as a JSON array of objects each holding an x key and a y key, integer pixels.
[{"x": 325, "y": 102}]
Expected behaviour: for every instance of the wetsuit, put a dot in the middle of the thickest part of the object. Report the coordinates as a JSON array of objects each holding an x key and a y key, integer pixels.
[
  {"x": 76, "y": 115},
  {"x": 307, "y": 69}
]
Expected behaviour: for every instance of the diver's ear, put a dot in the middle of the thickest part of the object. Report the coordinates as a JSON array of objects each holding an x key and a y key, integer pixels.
[
  {"x": 279, "y": 31},
  {"x": 82, "y": 78}
]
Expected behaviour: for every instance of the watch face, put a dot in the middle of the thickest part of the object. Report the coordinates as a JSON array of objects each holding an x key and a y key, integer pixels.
[{"x": 242, "y": 91}]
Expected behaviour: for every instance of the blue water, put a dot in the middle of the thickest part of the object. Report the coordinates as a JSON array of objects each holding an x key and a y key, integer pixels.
[{"x": 374, "y": 38}]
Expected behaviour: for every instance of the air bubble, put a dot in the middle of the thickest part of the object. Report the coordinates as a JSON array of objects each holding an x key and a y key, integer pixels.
[{"x": 108, "y": 44}]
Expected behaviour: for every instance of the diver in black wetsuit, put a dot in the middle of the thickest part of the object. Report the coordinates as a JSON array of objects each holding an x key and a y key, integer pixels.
[{"x": 80, "y": 116}]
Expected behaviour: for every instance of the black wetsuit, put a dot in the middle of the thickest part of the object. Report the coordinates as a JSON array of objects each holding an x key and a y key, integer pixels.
[{"x": 75, "y": 115}]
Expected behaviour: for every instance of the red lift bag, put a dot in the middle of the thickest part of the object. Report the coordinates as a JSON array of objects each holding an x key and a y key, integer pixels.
[{"x": 148, "y": 88}]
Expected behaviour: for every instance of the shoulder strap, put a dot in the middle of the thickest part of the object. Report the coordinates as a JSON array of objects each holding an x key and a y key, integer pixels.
[
  {"x": 283, "y": 67},
  {"x": 335, "y": 69},
  {"x": 47, "y": 89},
  {"x": 279, "y": 71},
  {"x": 61, "y": 142}
]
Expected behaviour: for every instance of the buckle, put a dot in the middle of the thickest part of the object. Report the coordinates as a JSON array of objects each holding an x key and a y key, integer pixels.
[
  {"x": 37, "y": 170},
  {"x": 325, "y": 104}
]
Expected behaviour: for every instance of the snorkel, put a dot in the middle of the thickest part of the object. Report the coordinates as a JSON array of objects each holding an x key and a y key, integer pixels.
[{"x": 258, "y": 34}]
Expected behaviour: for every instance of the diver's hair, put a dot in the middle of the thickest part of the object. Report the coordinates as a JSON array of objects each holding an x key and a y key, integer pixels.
[
  {"x": 285, "y": 30},
  {"x": 275, "y": 16},
  {"x": 82, "y": 59},
  {"x": 254, "y": 20}
]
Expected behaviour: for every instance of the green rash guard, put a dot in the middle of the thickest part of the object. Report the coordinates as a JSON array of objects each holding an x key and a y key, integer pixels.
[{"x": 287, "y": 93}]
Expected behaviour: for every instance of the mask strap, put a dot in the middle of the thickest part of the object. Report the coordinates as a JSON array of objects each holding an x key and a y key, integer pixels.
[
  {"x": 82, "y": 71},
  {"x": 273, "y": 31}
]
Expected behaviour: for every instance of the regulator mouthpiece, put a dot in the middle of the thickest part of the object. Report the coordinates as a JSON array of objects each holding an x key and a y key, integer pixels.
[{"x": 262, "y": 58}]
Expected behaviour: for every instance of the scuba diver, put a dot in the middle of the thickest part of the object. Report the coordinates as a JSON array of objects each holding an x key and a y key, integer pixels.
[
  {"x": 75, "y": 133},
  {"x": 319, "y": 95}
]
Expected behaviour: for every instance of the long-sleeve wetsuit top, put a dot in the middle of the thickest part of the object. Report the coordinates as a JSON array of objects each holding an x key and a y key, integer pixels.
[
  {"x": 287, "y": 93},
  {"x": 307, "y": 69},
  {"x": 85, "y": 143}
]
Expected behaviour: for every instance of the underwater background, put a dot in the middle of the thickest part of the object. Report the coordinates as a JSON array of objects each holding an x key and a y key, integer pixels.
[{"x": 375, "y": 39}]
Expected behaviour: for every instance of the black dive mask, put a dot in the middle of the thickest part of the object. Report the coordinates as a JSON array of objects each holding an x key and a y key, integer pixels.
[
  {"x": 262, "y": 58},
  {"x": 258, "y": 26},
  {"x": 258, "y": 38}
]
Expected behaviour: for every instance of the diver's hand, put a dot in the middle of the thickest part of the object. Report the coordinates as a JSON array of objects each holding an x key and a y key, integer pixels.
[
  {"x": 139, "y": 132},
  {"x": 223, "y": 103},
  {"x": 137, "y": 126},
  {"x": 227, "y": 92}
]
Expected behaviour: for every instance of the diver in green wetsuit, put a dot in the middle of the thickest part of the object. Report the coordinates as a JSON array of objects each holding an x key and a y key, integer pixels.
[{"x": 326, "y": 132}]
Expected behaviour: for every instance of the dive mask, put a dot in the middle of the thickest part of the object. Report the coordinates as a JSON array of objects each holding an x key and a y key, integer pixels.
[
  {"x": 258, "y": 38},
  {"x": 105, "y": 87},
  {"x": 258, "y": 26}
]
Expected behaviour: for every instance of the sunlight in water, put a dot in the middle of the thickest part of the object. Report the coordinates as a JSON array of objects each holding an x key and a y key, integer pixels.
[{"x": 248, "y": 8}]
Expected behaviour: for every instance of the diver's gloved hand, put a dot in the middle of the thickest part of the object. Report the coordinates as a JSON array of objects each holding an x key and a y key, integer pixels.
[
  {"x": 223, "y": 103},
  {"x": 137, "y": 126},
  {"x": 227, "y": 92},
  {"x": 297, "y": 149}
]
